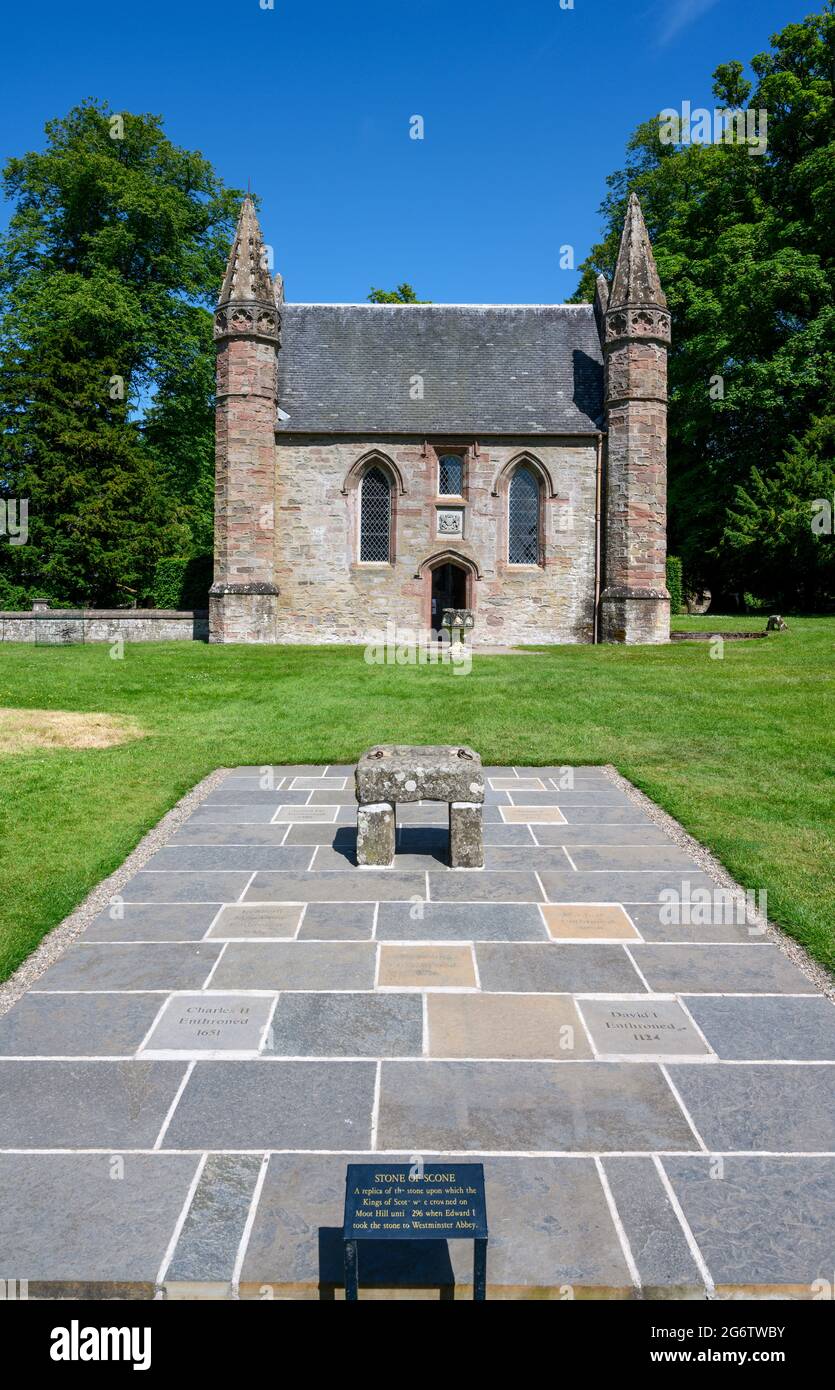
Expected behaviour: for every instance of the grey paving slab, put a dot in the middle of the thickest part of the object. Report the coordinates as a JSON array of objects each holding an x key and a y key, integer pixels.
[
  {"x": 337, "y": 922},
  {"x": 195, "y": 1023},
  {"x": 506, "y": 835},
  {"x": 586, "y": 773},
  {"x": 151, "y": 922},
  {"x": 230, "y": 815},
  {"x": 333, "y": 798},
  {"x": 85, "y": 1105},
  {"x": 484, "y": 885},
  {"x": 77, "y": 1226},
  {"x": 327, "y": 859},
  {"x": 204, "y": 887},
  {"x": 307, "y": 965},
  {"x": 328, "y": 782},
  {"x": 266, "y": 836},
  {"x": 279, "y": 770},
  {"x": 658, "y": 1244},
  {"x": 725, "y": 969},
  {"x": 366, "y": 885},
  {"x": 271, "y": 1104},
  {"x": 421, "y": 921},
  {"x": 765, "y": 1226},
  {"x": 255, "y": 796},
  {"x": 77, "y": 1025},
  {"x": 257, "y": 920},
  {"x": 765, "y": 1029},
  {"x": 347, "y": 1025},
  {"x": 771, "y": 1108},
  {"x": 557, "y": 967},
  {"x": 137, "y": 966},
  {"x": 640, "y": 886},
  {"x": 651, "y": 1027},
  {"x": 342, "y": 837},
  {"x": 250, "y": 779},
  {"x": 632, "y": 857},
  {"x": 504, "y": 782},
  {"x": 523, "y": 857},
  {"x": 649, "y": 918},
  {"x": 550, "y": 1232},
  {"x": 208, "y": 1243},
  {"x": 616, "y": 835},
  {"x": 572, "y": 1106},
  {"x": 571, "y": 796},
  {"x": 628, "y": 814},
  {"x": 240, "y": 858}
]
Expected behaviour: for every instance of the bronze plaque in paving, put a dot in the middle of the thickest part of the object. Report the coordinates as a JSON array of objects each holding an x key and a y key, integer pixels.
[
  {"x": 426, "y": 967},
  {"x": 589, "y": 922},
  {"x": 505, "y": 1025},
  {"x": 257, "y": 920},
  {"x": 532, "y": 815}
]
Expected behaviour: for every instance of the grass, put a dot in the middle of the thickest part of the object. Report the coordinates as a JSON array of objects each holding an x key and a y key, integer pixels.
[{"x": 741, "y": 750}]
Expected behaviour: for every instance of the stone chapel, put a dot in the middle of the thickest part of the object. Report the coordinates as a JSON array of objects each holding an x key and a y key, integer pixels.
[{"x": 380, "y": 463}]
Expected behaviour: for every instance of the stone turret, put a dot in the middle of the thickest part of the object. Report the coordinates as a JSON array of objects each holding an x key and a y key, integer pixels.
[
  {"x": 243, "y": 598},
  {"x": 635, "y": 604}
]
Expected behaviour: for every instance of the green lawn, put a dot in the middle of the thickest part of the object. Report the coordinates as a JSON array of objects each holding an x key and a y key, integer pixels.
[{"x": 741, "y": 750}]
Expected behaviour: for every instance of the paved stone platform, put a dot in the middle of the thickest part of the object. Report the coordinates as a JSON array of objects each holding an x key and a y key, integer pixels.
[{"x": 181, "y": 1091}]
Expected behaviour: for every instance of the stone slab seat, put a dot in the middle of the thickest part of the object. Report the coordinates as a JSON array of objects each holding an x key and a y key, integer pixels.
[{"x": 394, "y": 773}]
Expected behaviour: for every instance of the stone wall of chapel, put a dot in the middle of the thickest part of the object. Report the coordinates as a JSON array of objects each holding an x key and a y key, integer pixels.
[{"x": 327, "y": 595}]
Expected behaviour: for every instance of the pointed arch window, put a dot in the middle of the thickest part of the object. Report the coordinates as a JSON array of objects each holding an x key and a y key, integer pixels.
[
  {"x": 375, "y": 517},
  {"x": 523, "y": 518}
]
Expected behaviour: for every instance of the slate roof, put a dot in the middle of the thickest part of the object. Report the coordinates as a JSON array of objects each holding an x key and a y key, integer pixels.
[{"x": 517, "y": 369}]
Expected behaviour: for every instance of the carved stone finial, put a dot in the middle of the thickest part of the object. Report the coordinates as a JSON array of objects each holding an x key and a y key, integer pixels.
[
  {"x": 248, "y": 306},
  {"x": 637, "y": 305}
]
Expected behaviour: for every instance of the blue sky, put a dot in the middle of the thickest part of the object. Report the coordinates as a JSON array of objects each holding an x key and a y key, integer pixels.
[{"x": 527, "y": 107}]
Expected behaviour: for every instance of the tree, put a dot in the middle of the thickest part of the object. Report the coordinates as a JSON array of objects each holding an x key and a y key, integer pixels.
[
  {"x": 112, "y": 259},
  {"x": 404, "y": 294},
  {"x": 771, "y": 526},
  {"x": 746, "y": 251}
]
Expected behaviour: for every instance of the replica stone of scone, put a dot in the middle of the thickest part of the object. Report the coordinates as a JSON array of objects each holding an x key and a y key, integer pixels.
[{"x": 400, "y": 772}]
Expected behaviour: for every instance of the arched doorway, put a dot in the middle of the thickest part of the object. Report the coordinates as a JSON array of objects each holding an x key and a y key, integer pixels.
[{"x": 449, "y": 590}]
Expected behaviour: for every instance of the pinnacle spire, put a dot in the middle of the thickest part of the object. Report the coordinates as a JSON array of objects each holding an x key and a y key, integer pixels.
[
  {"x": 247, "y": 277},
  {"x": 636, "y": 277}
]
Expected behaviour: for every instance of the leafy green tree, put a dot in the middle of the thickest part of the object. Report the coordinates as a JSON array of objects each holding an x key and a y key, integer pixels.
[
  {"x": 404, "y": 294},
  {"x": 113, "y": 257},
  {"x": 770, "y": 525},
  {"x": 745, "y": 246}
]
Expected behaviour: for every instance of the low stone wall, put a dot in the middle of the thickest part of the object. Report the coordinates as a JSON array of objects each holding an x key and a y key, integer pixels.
[{"x": 56, "y": 627}]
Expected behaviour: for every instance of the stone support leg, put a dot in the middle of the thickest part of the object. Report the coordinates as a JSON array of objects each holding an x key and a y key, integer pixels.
[
  {"x": 466, "y": 839},
  {"x": 375, "y": 834}
]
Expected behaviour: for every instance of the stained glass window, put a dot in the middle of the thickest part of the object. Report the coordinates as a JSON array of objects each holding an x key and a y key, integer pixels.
[
  {"x": 450, "y": 475},
  {"x": 375, "y": 516},
  {"x": 523, "y": 518}
]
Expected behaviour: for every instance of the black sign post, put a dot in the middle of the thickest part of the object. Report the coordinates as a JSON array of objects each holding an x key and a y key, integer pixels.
[{"x": 402, "y": 1201}]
